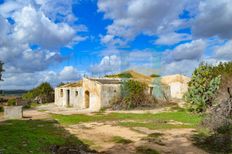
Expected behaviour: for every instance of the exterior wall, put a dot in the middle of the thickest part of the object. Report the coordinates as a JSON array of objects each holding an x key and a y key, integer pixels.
[
  {"x": 178, "y": 89},
  {"x": 94, "y": 90},
  {"x": 75, "y": 97},
  {"x": 109, "y": 92}
]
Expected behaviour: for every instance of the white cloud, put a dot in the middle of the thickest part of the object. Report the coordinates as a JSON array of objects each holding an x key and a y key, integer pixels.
[
  {"x": 213, "y": 18},
  {"x": 188, "y": 51},
  {"x": 134, "y": 17},
  {"x": 34, "y": 27},
  {"x": 69, "y": 73},
  {"x": 224, "y": 52},
  {"x": 30, "y": 80},
  {"x": 172, "y": 38},
  {"x": 185, "y": 67}
]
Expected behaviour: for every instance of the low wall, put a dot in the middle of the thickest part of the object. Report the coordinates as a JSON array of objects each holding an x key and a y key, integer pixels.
[{"x": 13, "y": 112}]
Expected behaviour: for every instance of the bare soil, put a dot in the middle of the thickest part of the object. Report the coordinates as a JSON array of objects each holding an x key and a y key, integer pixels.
[{"x": 100, "y": 135}]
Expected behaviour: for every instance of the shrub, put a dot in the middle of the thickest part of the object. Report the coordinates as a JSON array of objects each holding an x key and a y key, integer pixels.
[
  {"x": 202, "y": 88},
  {"x": 11, "y": 102},
  {"x": 133, "y": 94},
  {"x": 44, "y": 93},
  {"x": 1, "y": 109},
  {"x": 121, "y": 75},
  {"x": 154, "y": 75}
]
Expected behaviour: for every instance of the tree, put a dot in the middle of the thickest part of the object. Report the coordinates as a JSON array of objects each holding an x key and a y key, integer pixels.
[{"x": 44, "y": 93}]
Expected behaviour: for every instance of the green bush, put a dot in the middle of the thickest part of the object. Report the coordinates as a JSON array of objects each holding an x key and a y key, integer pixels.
[
  {"x": 133, "y": 95},
  {"x": 202, "y": 88},
  {"x": 121, "y": 75},
  {"x": 11, "y": 102},
  {"x": 1, "y": 109},
  {"x": 44, "y": 91}
]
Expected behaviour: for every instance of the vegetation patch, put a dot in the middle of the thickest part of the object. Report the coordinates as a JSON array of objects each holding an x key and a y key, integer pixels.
[
  {"x": 36, "y": 136},
  {"x": 191, "y": 119},
  {"x": 121, "y": 140},
  {"x": 146, "y": 150}
]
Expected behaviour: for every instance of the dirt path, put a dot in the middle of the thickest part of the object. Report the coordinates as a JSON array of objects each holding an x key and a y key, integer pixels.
[{"x": 99, "y": 137}]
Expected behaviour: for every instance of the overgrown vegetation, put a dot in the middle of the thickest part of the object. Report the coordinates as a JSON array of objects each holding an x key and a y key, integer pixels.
[
  {"x": 44, "y": 93},
  {"x": 154, "y": 75},
  {"x": 210, "y": 92},
  {"x": 121, "y": 75},
  {"x": 11, "y": 102},
  {"x": 133, "y": 95},
  {"x": 202, "y": 88},
  {"x": 37, "y": 136}
]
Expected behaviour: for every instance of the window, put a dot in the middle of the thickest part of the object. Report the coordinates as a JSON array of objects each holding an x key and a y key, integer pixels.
[
  {"x": 76, "y": 93},
  {"x": 61, "y": 92}
]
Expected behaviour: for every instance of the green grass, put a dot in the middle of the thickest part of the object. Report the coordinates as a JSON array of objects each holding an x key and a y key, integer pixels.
[
  {"x": 33, "y": 136},
  {"x": 180, "y": 116},
  {"x": 119, "y": 139}
]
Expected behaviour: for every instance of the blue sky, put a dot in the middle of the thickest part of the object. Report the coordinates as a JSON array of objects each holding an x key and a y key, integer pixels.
[{"x": 63, "y": 40}]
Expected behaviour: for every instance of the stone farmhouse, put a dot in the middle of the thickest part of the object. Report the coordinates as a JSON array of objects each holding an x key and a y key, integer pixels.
[{"x": 96, "y": 93}]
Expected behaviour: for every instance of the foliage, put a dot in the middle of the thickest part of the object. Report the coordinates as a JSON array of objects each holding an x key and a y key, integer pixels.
[
  {"x": 61, "y": 84},
  {"x": 11, "y": 102},
  {"x": 1, "y": 109},
  {"x": 154, "y": 75},
  {"x": 133, "y": 95},
  {"x": 121, "y": 75},
  {"x": 44, "y": 91},
  {"x": 35, "y": 136},
  {"x": 202, "y": 88}
]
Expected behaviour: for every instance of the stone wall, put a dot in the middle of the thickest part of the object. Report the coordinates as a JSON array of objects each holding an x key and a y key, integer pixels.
[{"x": 13, "y": 112}]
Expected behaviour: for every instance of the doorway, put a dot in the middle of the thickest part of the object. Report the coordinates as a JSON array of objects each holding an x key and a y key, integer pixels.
[
  {"x": 68, "y": 98},
  {"x": 86, "y": 99}
]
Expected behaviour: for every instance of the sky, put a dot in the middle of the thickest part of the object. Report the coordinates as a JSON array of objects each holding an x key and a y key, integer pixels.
[{"x": 63, "y": 40}]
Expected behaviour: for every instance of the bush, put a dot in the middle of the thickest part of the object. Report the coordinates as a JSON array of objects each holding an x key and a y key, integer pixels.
[
  {"x": 44, "y": 93},
  {"x": 11, "y": 102},
  {"x": 133, "y": 95},
  {"x": 121, "y": 75},
  {"x": 202, "y": 88},
  {"x": 1, "y": 109}
]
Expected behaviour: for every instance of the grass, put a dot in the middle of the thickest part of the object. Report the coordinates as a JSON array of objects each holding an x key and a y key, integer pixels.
[
  {"x": 33, "y": 136},
  {"x": 119, "y": 139},
  {"x": 148, "y": 120}
]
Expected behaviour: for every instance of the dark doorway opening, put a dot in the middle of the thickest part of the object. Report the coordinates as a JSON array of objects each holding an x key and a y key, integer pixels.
[{"x": 86, "y": 99}]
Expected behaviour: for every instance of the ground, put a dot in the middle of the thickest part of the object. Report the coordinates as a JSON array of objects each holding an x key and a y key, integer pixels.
[{"x": 147, "y": 131}]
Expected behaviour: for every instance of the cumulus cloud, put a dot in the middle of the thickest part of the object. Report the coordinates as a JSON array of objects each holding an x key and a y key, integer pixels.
[
  {"x": 224, "y": 52},
  {"x": 34, "y": 27},
  {"x": 172, "y": 38},
  {"x": 134, "y": 17},
  {"x": 14, "y": 80},
  {"x": 35, "y": 23},
  {"x": 108, "y": 64},
  {"x": 188, "y": 51},
  {"x": 69, "y": 73},
  {"x": 185, "y": 67},
  {"x": 213, "y": 18}
]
